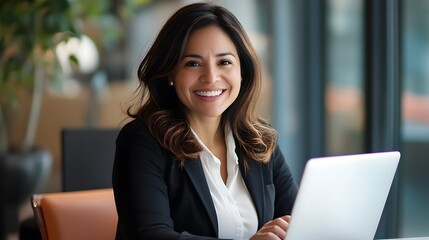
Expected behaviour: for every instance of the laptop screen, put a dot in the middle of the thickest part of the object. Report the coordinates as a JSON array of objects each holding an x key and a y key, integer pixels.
[{"x": 342, "y": 197}]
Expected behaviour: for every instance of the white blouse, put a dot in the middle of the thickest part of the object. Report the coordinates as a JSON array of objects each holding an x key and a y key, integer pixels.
[{"x": 236, "y": 214}]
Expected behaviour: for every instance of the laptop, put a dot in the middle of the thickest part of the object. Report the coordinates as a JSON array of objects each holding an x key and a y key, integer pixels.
[{"x": 342, "y": 197}]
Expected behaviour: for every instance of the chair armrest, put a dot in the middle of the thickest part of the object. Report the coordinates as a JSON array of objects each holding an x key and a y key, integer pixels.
[{"x": 38, "y": 214}]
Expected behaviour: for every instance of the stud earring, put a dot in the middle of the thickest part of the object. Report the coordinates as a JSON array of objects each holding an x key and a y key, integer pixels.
[{"x": 171, "y": 83}]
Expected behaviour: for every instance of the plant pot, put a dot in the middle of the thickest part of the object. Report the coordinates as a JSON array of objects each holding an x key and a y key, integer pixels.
[{"x": 23, "y": 174}]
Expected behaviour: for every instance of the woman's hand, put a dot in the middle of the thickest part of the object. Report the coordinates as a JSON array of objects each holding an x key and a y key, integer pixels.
[{"x": 275, "y": 229}]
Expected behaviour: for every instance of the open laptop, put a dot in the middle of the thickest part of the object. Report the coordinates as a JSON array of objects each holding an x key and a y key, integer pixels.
[{"x": 342, "y": 197}]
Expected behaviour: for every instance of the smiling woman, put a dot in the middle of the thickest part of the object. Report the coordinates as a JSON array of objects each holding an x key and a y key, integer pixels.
[
  {"x": 207, "y": 79},
  {"x": 196, "y": 161}
]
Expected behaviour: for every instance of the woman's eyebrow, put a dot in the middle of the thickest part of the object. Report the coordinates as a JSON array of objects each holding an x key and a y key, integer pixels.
[
  {"x": 217, "y": 55},
  {"x": 191, "y": 56},
  {"x": 225, "y": 54}
]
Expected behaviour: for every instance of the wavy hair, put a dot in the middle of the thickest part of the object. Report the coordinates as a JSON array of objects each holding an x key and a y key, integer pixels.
[{"x": 161, "y": 110}]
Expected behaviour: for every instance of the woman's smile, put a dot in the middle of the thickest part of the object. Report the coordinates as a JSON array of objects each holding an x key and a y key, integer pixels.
[{"x": 210, "y": 94}]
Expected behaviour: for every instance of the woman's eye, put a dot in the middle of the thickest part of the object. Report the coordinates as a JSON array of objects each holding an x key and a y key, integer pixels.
[
  {"x": 225, "y": 62},
  {"x": 192, "y": 64}
]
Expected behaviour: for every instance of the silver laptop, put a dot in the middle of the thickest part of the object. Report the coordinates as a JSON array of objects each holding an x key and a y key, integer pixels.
[{"x": 342, "y": 197}]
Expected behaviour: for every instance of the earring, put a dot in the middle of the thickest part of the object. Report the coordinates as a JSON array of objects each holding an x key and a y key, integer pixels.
[{"x": 171, "y": 83}]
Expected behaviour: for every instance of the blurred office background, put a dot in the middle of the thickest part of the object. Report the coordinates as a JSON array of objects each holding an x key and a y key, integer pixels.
[{"x": 340, "y": 77}]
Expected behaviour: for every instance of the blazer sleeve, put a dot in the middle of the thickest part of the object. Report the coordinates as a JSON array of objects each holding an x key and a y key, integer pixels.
[
  {"x": 141, "y": 192},
  {"x": 285, "y": 187}
]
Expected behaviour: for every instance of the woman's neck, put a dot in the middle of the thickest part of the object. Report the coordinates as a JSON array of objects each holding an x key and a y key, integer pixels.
[
  {"x": 209, "y": 130},
  {"x": 213, "y": 137}
]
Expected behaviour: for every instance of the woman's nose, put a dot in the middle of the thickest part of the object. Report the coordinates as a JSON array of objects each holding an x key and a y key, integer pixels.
[{"x": 210, "y": 75}]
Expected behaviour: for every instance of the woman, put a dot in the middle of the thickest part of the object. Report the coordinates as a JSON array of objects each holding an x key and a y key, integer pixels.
[{"x": 196, "y": 162}]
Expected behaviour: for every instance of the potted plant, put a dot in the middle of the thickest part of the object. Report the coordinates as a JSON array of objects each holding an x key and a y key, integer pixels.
[{"x": 29, "y": 31}]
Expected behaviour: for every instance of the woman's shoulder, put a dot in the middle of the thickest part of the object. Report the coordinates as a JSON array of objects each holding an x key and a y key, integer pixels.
[
  {"x": 134, "y": 125},
  {"x": 135, "y": 128},
  {"x": 135, "y": 136},
  {"x": 137, "y": 149}
]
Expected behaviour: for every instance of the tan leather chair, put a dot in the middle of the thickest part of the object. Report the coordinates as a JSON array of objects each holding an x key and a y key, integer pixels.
[{"x": 89, "y": 214}]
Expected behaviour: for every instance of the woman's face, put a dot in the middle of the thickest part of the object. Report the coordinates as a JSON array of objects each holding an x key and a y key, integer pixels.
[{"x": 207, "y": 79}]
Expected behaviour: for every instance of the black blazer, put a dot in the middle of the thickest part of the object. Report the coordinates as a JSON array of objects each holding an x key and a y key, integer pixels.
[{"x": 156, "y": 198}]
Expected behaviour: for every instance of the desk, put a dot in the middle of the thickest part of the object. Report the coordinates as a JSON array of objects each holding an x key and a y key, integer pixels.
[{"x": 414, "y": 238}]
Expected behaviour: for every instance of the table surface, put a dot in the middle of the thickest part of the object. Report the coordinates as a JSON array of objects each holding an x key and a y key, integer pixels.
[{"x": 414, "y": 238}]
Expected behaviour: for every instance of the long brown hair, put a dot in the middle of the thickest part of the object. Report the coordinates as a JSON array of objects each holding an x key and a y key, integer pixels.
[{"x": 162, "y": 111}]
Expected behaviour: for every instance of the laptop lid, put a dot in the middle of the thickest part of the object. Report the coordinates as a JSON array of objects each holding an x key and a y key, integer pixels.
[{"x": 342, "y": 197}]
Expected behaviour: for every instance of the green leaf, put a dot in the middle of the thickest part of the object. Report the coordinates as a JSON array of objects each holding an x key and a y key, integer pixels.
[{"x": 73, "y": 59}]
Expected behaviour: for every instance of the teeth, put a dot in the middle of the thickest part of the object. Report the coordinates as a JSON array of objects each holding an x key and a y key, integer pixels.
[{"x": 209, "y": 93}]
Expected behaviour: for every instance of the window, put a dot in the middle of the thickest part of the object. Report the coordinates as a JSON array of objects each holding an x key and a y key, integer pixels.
[
  {"x": 414, "y": 184},
  {"x": 344, "y": 97}
]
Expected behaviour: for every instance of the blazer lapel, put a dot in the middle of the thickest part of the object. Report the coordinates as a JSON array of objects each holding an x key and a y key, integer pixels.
[
  {"x": 195, "y": 172},
  {"x": 253, "y": 176}
]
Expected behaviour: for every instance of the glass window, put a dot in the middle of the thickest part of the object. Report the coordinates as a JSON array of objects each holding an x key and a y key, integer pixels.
[
  {"x": 344, "y": 77},
  {"x": 414, "y": 184}
]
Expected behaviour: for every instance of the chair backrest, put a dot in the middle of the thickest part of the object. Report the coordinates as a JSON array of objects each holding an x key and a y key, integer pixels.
[
  {"x": 83, "y": 215},
  {"x": 87, "y": 158}
]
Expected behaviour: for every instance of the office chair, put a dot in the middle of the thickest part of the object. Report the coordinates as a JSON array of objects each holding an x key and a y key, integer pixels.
[
  {"x": 87, "y": 163},
  {"x": 87, "y": 158},
  {"x": 83, "y": 215}
]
